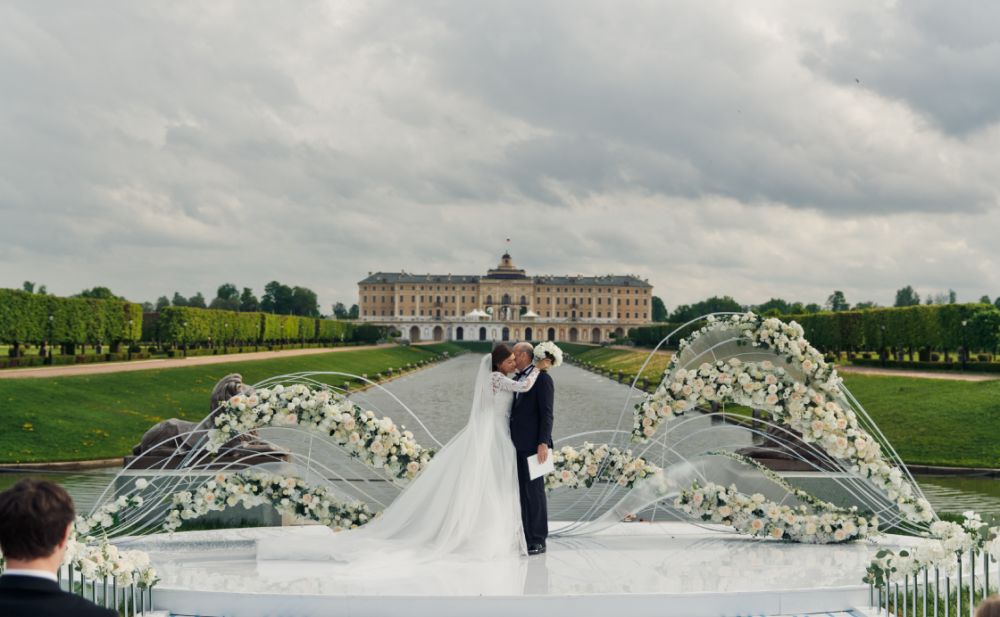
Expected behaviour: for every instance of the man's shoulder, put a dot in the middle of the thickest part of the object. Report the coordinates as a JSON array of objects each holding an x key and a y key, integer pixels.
[{"x": 50, "y": 602}]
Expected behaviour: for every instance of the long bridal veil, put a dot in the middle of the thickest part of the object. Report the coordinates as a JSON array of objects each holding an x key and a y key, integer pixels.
[{"x": 463, "y": 505}]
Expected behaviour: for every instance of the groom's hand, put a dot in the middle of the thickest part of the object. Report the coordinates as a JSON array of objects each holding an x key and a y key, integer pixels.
[{"x": 543, "y": 453}]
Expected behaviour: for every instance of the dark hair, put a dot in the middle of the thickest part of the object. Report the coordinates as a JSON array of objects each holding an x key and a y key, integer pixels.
[
  {"x": 33, "y": 519},
  {"x": 500, "y": 353},
  {"x": 990, "y": 607}
]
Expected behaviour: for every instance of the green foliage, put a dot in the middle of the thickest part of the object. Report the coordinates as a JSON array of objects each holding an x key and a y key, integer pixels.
[
  {"x": 650, "y": 336},
  {"x": 907, "y": 297},
  {"x": 715, "y": 304},
  {"x": 25, "y": 318},
  {"x": 197, "y": 301},
  {"x": 331, "y": 330},
  {"x": 837, "y": 302},
  {"x": 284, "y": 300},
  {"x": 248, "y": 301},
  {"x": 188, "y": 325},
  {"x": 659, "y": 309},
  {"x": 938, "y": 326},
  {"x": 227, "y": 297},
  {"x": 98, "y": 293}
]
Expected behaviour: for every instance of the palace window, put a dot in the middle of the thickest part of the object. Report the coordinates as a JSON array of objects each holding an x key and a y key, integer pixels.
[
  {"x": 413, "y": 311},
  {"x": 598, "y": 314}
]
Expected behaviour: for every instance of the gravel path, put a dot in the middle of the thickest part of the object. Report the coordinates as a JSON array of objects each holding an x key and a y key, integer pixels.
[{"x": 145, "y": 365}]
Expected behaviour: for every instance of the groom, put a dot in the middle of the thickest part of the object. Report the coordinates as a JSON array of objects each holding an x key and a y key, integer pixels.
[{"x": 531, "y": 432}]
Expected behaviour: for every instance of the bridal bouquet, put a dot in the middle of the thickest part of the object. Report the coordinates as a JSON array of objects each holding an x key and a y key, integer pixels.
[{"x": 549, "y": 350}]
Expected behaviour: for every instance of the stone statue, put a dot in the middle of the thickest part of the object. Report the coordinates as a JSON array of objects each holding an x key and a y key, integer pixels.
[{"x": 175, "y": 436}]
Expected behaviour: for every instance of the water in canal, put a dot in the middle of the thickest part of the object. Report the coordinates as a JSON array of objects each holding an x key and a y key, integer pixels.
[{"x": 442, "y": 394}]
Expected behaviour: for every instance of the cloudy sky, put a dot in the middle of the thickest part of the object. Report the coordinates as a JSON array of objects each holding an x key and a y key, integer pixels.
[{"x": 756, "y": 149}]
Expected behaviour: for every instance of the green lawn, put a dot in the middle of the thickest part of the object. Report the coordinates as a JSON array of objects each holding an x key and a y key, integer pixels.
[
  {"x": 625, "y": 360},
  {"x": 928, "y": 421},
  {"x": 103, "y": 416}
]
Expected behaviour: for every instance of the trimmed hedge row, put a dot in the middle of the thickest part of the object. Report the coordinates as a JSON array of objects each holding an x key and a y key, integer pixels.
[
  {"x": 970, "y": 367},
  {"x": 34, "y": 318},
  {"x": 650, "y": 336},
  {"x": 912, "y": 327},
  {"x": 196, "y": 326}
]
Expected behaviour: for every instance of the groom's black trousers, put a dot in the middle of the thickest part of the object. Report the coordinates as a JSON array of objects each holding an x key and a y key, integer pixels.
[{"x": 534, "y": 509}]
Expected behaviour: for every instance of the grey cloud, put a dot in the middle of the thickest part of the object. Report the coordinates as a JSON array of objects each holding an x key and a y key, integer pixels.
[
  {"x": 707, "y": 146},
  {"x": 939, "y": 58}
]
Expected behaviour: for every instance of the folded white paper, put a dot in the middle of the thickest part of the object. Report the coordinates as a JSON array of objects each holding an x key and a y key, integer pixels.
[{"x": 536, "y": 469}]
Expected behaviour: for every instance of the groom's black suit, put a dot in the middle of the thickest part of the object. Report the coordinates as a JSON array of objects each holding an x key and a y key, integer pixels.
[
  {"x": 28, "y": 596},
  {"x": 531, "y": 426}
]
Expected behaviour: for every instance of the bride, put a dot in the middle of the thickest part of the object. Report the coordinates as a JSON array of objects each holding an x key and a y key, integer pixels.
[{"x": 463, "y": 504}]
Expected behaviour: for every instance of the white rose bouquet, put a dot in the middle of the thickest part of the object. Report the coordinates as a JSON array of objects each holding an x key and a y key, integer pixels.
[{"x": 549, "y": 350}]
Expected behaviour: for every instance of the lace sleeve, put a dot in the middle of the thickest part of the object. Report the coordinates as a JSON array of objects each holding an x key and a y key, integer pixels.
[{"x": 502, "y": 383}]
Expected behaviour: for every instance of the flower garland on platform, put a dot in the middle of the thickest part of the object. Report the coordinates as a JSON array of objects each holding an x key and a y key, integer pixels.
[
  {"x": 377, "y": 442},
  {"x": 946, "y": 542},
  {"x": 815, "y": 521},
  {"x": 103, "y": 560},
  {"x": 582, "y": 467},
  {"x": 809, "y": 407},
  {"x": 288, "y": 495},
  {"x": 756, "y": 516}
]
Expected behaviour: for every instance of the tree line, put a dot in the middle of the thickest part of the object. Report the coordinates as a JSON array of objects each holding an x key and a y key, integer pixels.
[
  {"x": 775, "y": 307},
  {"x": 278, "y": 298},
  {"x": 44, "y": 320}
]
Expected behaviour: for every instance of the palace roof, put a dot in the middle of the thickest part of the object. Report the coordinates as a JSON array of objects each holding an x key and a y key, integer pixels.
[
  {"x": 504, "y": 270},
  {"x": 625, "y": 280}
]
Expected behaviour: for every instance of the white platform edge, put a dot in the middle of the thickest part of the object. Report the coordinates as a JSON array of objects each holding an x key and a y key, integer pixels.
[{"x": 206, "y": 603}]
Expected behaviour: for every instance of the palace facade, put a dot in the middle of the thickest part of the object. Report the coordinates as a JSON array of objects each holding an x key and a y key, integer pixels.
[{"x": 506, "y": 305}]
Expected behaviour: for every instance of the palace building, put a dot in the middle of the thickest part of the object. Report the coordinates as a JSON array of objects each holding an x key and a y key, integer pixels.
[{"x": 506, "y": 305}]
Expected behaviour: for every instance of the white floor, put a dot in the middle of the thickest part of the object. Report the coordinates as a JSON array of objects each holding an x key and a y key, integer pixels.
[{"x": 642, "y": 568}]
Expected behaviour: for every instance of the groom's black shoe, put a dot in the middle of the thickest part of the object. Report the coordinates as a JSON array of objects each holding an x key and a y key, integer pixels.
[{"x": 536, "y": 549}]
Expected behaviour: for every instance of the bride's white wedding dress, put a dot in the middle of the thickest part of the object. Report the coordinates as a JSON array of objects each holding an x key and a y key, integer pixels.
[{"x": 464, "y": 504}]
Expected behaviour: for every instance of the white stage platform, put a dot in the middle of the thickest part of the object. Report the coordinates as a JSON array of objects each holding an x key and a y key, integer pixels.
[{"x": 633, "y": 569}]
